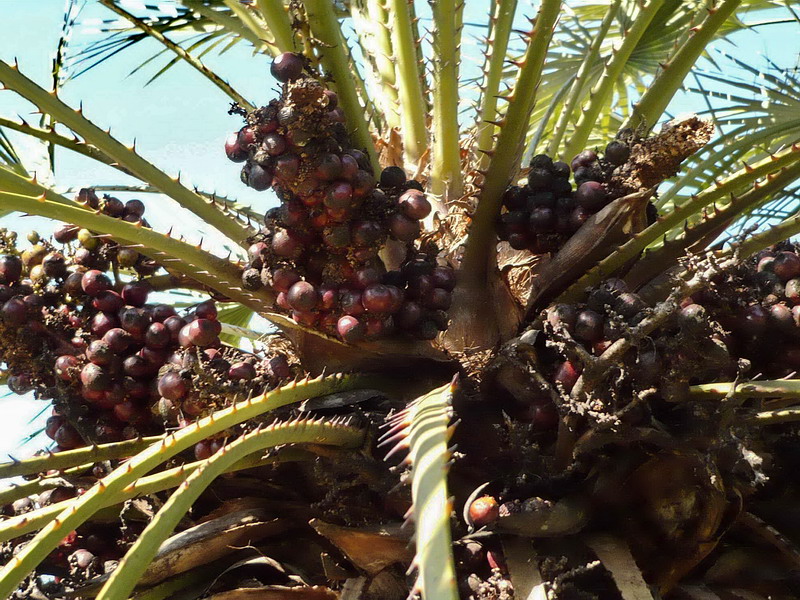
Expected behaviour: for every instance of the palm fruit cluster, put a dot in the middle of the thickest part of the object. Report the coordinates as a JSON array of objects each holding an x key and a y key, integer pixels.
[
  {"x": 320, "y": 250},
  {"x": 758, "y": 307},
  {"x": 543, "y": 214},
  {"x": 98, "y": 251},
  {"x": 116, "y": 366}
]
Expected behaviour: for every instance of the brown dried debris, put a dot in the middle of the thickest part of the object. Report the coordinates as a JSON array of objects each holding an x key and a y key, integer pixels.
[{"x": 659, "y": 157}]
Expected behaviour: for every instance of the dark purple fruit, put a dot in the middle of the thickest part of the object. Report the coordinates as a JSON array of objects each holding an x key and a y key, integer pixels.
[
  {"x": 302, "y": 296},
  {"x": 172, "y": 386},
  {"x": 366, "y": 233},
  {"x": 437, "y": 299},
  {"x": 103, "y": 322},
  {"x": 444, "y": 277},
  {"x": 754, "y": 320},
  {"x": 54, "y": 265},
  {"x": 379, "y": 298},
  {"x": 108, "y": 301},
  {"x": 15, "y": 311},
  {"x": 404, "y": 229},
  {"x": 242, "y": 371},
  {"x": 134, "y": 207},
  {"x": 259, "y": 178},
  {"x": 206, "y": 310},
  {"x": 10, "y": 269},
  {"x": 392, "y": 177},
  {"x": 591, "y": 195},
  {"x": 617, "y": 153},
  {"x": 67, "y": 437},
  {"x": 350, "y": 301},
  {"x": 583, "y": 159},
  {"x": 136, "y": 366},
  {"x": 542, "y": 161},
  {"x": 786, "y": 265},
  {"x": 539, "y": 179},
  {"x": 135, "y": 293},
  {"x": 339, "y": 196},
  {"x": 287, "y": 67},
  {"x": 94, "y": 282},
  {"x": 66, "y": 233},
  {"x": 560, "y": 170},
  {"x": 134, "y": 320},
  {"x": 589, "y": 326},
  {"x": 414, "y": 205},
  {"x": 542, "y": 219}
]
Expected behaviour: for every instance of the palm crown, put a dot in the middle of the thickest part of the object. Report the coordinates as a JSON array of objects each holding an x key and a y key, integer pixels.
[{"x": 521, "y": 249}]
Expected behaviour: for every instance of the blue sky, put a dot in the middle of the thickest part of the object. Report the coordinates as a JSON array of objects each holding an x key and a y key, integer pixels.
[{"x": 180, "y": 121}]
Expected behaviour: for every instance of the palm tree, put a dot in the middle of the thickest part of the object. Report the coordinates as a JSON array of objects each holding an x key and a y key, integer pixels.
[{"x": 599, "y": 403}]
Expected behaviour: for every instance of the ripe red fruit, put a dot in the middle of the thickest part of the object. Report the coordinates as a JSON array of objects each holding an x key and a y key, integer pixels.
[
  {"x": 414, "y": 204},
  {"x": 302, "y": 296},
  {"x": 108, "y": 301},
  {"x": 99, "y": 353},
  {"x": 484, "y": 510},
  {"x": 379, "y": 298},
  {"x": 117, "y": 339},
  {"x": 161, "y": 312},
  {"x": 286, "y": 167},
  {"x": 287, "y": 67},
  {"x": 349, "y": 166},
  {"x": 329, "y": 167},
  {"x": 567, "y": 375},
  {"x": 350, "y": 301},
  {"x": 233, "y": 148},
  {"x": 274, "y": 144},
  {"x": 202, "y": 450},
  {"x": 283, "y": 278},
  {"x": 583, "y": 159},
  {"x": 95, "y": 378},
  {"x": 286, "y": 244},
  {"x": 350, "y": 329},
  {"x": 157, "y": 336},
  {"x": 65, "y": 367},
  {"x": 94, "y": 282},
  {"x": 102, "y": 323},
  {"x": 201, "y": 332},
  {"x": 172, "y": 386}
]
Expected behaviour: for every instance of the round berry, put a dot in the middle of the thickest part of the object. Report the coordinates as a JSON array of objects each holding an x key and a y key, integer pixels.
[
  {"x": 287, "y": 67},
  {"x": 617, "y": 153},
  {"x": 302, "y": 296},
  {"x": 172, "y": 386},
  {"x": 483, "y": 511},
  {"x": 94, "y": 282},
  {"x": 392, "y": 177}
]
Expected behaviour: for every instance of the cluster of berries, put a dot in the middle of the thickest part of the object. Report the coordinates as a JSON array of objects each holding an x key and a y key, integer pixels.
[
  {"x": 320, "y": 249},
  {"x": 758, "y": 307},
  {"x": 112, "y": 362},
  {"x": 99, "y": 251},
  {"x": 544, "y": 213}
]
